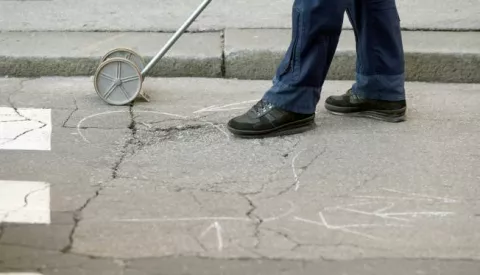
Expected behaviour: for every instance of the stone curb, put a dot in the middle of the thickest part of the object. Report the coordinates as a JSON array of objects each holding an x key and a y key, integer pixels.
[
  {"x": 429, "y": 56},
  {"x": 234, "y": 53},
  {"x": 35, "y": 54}
]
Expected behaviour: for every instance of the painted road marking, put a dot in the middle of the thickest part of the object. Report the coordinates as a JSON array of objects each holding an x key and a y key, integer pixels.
[
  {"x": 25, "y": 129},
  {"x": 24, "y": 202}
]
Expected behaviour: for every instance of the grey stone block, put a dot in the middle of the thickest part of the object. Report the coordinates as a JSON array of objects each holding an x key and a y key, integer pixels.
[
  {"x": 25, "y": 54},
  {"x": 430, "y": 56}
]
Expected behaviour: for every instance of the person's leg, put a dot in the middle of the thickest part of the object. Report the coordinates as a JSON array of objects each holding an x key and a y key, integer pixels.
[
  {"x": 379, "y": 91},
  {"x": 291, "y": 102}
]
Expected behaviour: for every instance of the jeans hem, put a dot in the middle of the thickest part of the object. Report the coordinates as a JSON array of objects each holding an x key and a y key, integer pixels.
[
  {"x": 380, "y": 87},
  {"x": 302, "y": 100}
]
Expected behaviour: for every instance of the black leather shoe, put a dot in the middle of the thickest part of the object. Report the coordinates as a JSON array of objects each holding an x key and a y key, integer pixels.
[
  {"x": 264, "y": 119},
  {"x": 350, "y": 104}
]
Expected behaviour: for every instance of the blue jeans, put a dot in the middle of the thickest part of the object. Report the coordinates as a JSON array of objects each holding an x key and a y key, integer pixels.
[{"x": 316, "y": 28}]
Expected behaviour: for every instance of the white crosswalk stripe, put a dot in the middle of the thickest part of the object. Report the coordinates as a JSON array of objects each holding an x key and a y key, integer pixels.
[
  {"x": 25, "y": 202},
  {"x": 25, "y": 129}
]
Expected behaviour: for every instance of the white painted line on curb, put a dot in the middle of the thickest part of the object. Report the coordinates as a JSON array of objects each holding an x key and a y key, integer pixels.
[
  {"x": 24, "y": 202},
  {"x": 19, "y": 273},
  {"x": 25, "y": 129}
]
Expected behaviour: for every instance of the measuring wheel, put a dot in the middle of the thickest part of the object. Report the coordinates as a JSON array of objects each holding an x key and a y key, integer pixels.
[
  {"x": 118, "y": 81},
  {"x": 127, "y": 54},
  {"x": 119, "y": 78}
]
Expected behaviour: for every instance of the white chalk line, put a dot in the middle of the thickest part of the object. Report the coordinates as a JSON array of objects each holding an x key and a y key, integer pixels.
[
  {"x": 215, "y": 108},
  {"x": 192, "y": 219},
  {"x": 348, "y": 205},
  {"x": 444, "y": 199},
  {"x": 218, "y": 230},
  {"x": 343, "y": 228},
  {"x": 92, "y": 116},
  {"x": 424, "y": 213},
  {"x": 379, "y": 215},
  {"x": 295, "y": 175}
]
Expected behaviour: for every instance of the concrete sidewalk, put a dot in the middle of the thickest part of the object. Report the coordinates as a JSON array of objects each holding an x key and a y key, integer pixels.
[{"x": 168, "y": 15}]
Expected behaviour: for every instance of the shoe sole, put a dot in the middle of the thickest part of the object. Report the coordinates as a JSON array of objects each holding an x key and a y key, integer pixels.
[
  {"x": 393, "y": 116},
  {"x": 287, "y": 129}
]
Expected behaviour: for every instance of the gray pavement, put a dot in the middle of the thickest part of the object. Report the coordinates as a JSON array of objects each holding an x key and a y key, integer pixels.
[
  {"x": 162, "y": 188},
  {"x": 168, "y": 15}
]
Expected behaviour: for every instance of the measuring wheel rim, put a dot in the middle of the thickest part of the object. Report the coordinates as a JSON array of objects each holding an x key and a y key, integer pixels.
[
  {"x": 118, "y": 81},
  {"x": 128, "y": 54}
]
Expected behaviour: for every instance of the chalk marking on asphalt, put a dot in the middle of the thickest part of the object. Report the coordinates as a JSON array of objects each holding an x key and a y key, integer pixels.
[
  {"x": 25, "y": 129},
  {"x": 218, "y": 230},
  {"x": 79, "y": 124},
  {"x": 379, "y": 215},
  {"x": 393, "y": 198},
  {"x": 295, "y": 176},
  {"x": 348, "y": 205},
  {"x": 218, "y": 128},
  {"x": 343, "y": 228},
  {"x": 192, "y": 219},
  {"x": 24, "y": 202},
  {"x": 424, "y": 213},
  {"x": 444, "y": 199},
  {"x": 382, "y": 210},
  {"x": 222, "y": 108}
]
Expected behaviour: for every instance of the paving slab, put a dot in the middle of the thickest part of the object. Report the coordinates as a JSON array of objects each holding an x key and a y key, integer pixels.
[
  {"x": 172, "y": 190},
  {"x": 168, "y": 15}
]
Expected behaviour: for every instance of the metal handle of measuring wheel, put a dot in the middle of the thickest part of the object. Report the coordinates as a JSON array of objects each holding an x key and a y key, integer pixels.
[{"x": 176, "y": 36}]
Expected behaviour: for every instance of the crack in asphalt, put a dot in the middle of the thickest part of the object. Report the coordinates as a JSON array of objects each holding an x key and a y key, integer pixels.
[
  {"x": 255, "y": 218},
  {"x": 77, "y": 215},
  {"x": 132, "y": 141},
  {"x": 303, "y": 170},
  {"x": 71, "y": 114},
  {"x": 284, "y": 235}
]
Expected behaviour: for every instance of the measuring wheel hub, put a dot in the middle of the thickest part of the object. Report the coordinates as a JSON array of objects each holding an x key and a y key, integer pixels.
[{"x": 118, "y": 81}]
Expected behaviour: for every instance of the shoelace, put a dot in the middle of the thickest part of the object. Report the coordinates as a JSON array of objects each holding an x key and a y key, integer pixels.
[{"x": 261, "y": 107}]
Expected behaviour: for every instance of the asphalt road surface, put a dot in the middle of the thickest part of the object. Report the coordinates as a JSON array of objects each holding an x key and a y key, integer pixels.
[{"x": 161, "y": 187}]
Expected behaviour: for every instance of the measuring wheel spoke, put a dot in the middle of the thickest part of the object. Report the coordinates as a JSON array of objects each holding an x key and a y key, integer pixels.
[
  {"x": 129, "y": 79},
  {"x": 107, "y": 76},
  {"x": 119, "y": 70},
  {"x": 110, "y": 90},
  {"x": 124, "y": 91}
]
